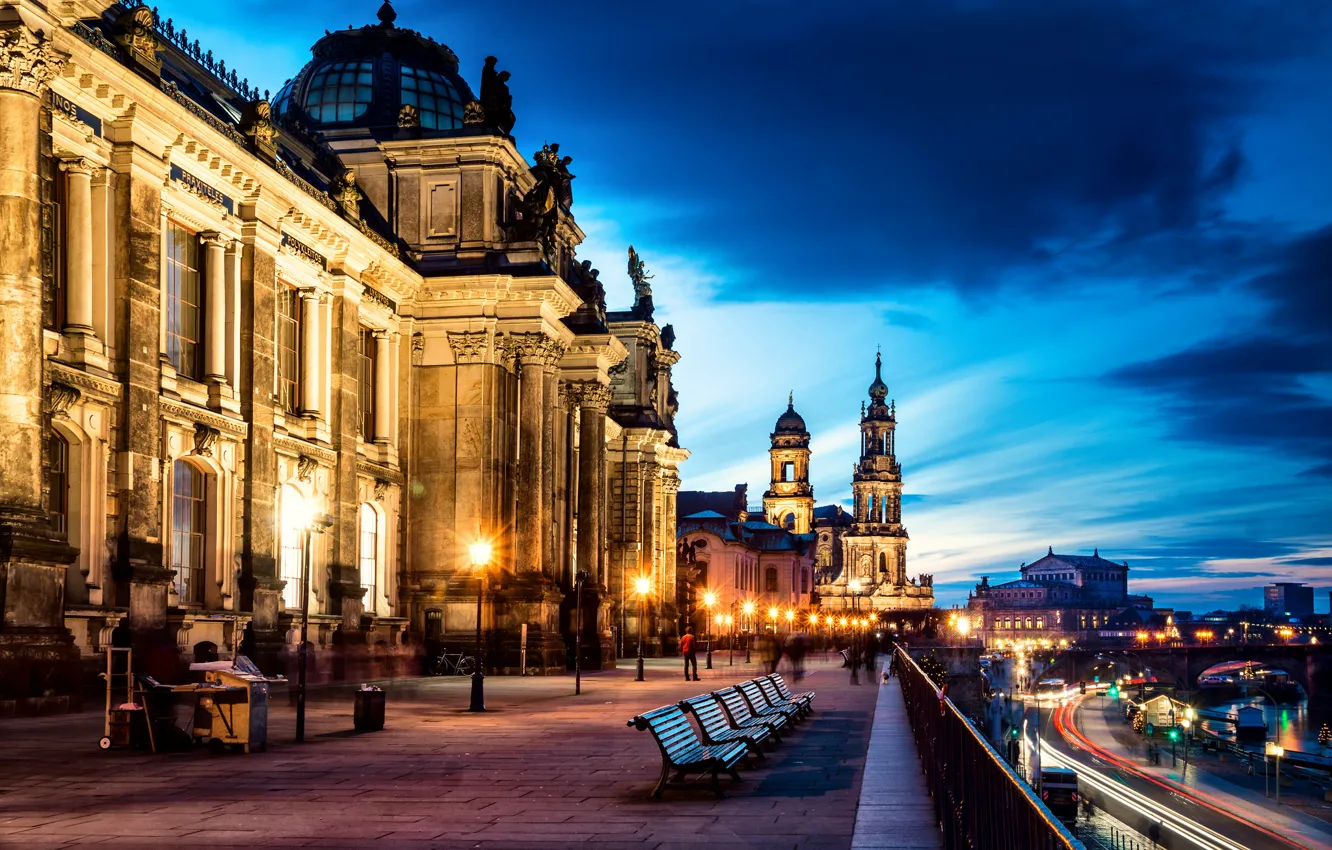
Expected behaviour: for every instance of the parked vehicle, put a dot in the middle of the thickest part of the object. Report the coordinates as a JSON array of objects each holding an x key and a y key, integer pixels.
[{"x": 1059, "y": 791}]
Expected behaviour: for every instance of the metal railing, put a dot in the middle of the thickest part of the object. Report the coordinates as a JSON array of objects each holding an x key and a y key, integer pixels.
[{"x": 980, "y": 802}]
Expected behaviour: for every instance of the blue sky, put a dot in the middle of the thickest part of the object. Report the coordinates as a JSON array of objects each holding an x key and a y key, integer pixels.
[{"x": 1094, "y": 241}]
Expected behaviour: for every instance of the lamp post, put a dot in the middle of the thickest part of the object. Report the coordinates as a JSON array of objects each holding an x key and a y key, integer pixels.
[
  {"x": 309, "y": 523},
  {"x": 854, "y": 586},
  {"x": 1278, "y": 751},
  {"x": 580, "y": 578},
  {"x": 643, "y": 585},
  {"x": 480, "y": 556},
  {"x": 730, "y": 644},
  {"x": 709, "y": 599},
  {"x": 749, "y": 622}
]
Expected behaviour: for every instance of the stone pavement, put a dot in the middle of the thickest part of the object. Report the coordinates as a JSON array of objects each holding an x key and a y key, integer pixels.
[
  {"x": 541, "y": 769},
  {"x": 895, "y": 807}
]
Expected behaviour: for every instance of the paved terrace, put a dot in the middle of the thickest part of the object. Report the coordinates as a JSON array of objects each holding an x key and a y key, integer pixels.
[{"x": 542, "y": 769}]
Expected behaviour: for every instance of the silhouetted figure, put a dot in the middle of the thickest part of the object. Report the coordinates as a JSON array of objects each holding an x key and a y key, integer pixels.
[{"x": 689, "y": 646}]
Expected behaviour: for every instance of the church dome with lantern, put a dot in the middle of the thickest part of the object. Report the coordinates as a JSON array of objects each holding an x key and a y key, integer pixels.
[{"x": 364, "y": 77}]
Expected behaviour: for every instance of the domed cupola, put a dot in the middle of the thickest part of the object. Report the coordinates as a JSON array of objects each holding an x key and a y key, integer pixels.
[
  {"x": 878, "y": 390},
  {"x": 790, "y": 422},
  {"x": 364, "y": 78}
]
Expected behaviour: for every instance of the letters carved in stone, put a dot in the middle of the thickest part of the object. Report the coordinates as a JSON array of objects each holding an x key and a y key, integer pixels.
[
  {"x": 27, "y": 60},
  {"x": 469, "y": 347}
]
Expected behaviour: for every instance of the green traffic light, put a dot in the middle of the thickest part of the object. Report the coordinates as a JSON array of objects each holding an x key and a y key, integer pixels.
[{"x": 1174, "y": 734}]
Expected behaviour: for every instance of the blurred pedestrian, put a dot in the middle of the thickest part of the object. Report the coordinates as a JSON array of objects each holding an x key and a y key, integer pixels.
[{"x": 688, "y": 646}]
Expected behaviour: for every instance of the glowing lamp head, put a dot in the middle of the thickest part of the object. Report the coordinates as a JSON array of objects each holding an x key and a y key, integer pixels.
[
  {"x": 709, "y": 598},
  {"x": 297, "y": 511},
  {"x": 772, "y": 613},
  {"x": 790, "y": 615},
  {"x": 643, "y": 585},
  {"x": 843, "y": 622},
  {"x": 479, "y": 553},
  {"x": 813, "y": 619},
  {"x": 749, "y": 608},
  {"x": 853, "y": 585}
]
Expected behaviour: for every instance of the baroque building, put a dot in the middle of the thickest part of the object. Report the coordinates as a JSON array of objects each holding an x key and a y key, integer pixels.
[
  {"x": 858, "y": 559},
  {"x": 223, "y": 314},
  {"x": 1068, "y": 597}
]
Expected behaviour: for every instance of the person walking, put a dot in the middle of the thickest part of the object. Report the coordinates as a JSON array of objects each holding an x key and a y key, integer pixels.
[{"x": 687, "y": 646}]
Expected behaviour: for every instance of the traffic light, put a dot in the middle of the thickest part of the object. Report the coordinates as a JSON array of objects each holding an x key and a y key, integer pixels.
[
  {"x": 1174, "y": 735},
  {"x": 1082, "y": 687},
  {"x": 1114, "y": 692},
  {"x": 1014, "y": 732}
]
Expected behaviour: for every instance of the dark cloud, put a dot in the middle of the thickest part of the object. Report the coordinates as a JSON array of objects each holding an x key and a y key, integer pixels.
[
  {"x": 950, "y": 141},
  {"x": 1255, "y": 390}
]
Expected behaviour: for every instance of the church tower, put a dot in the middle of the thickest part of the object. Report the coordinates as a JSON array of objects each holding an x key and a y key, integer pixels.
[
  {"x": 874, "y": 549},
  {"x": 789, "y": 501}
]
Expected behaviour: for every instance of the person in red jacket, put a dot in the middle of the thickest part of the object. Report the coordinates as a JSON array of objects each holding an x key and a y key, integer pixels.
[{"x": 690, "y": 652}]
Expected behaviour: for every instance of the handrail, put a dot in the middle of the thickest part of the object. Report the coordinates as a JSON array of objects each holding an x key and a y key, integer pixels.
[{"x": 979, "y": 800}]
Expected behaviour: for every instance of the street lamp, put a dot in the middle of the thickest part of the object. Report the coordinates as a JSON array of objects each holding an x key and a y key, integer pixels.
[
  {"x": 480, "y": 556},
  {"x": 963, "y": 627},
  {"x": 709, "y": 599},
  {"x": 580, "y": 578},
  {"x": 748, "y": 608},
  {"x": 730, "y": 645},
  {"x": 854, "y": 586},
  {"x": 308, "y": 521},
  {"x": 1278, "y": 751},
  {"x": 790, "y": 620},
  {"x": 772, "y": 615},
  {"x": 643, "y": 585}
]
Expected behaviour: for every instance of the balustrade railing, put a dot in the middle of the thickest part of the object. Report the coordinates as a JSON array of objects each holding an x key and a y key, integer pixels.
[
  {"x": 216, "y": 66},
  {"x": 980, "y": 802}
]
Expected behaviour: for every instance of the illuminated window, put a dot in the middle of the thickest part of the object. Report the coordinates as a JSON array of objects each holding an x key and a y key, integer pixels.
[
  {"x": 434, "y": 96},
  {"x": 369, "y": 554},
  {"x": 189, "y": 524},
  {"x": 290, "y": 553},
  {"x": 184, "y": 321},
  {"x": 289, "y": 347},
  {"x": 340, "y": 91},
  {"x": 1028, "y": 622},
  {"x": 770, "y": 580},
  {"x": 1040, "y": 622}
]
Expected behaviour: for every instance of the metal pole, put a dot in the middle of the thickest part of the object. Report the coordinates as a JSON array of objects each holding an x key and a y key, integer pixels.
[
  {"x": 478, "y": 677},
  {"x": 749, "y": 639},
  {"x": 642, "y": 605},
  {"x": 709, "y": 661},
  {"x": 730, "y": 644},
  {"x": 578, "y": 633},
  {"x": 1278, "y": 780},
  {"x": 305, "y": 625}
]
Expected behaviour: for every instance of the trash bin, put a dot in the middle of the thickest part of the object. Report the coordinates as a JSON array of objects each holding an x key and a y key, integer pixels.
[{"x": 368, "y": 715}]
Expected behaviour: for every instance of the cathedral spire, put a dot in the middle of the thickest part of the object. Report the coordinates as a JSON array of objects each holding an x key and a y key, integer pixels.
[{"x": 878, "y": 390}]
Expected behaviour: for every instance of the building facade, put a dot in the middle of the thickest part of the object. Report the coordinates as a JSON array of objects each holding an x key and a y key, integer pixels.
[
  {"x": 340, "y": 331},
  {"x": 1288, "y": 599},
  {"x": 1058, "y": 597}
]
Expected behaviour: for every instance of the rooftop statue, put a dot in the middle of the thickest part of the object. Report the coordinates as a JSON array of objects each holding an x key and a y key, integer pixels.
[
  {"x": 496, "y": 102},
  {"x": 639, "y": 277},
  {"x": 668, "y": 337}
]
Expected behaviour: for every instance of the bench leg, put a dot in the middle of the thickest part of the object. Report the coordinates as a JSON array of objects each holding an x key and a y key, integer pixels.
[
  {"x": 755, "y": 749},
  {"x": 661, "y": 783},
  {"x": 735, "y": 776},
  {"x": 716, "y": 784}
]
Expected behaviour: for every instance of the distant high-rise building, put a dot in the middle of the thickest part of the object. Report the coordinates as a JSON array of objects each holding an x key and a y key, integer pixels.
[{"x": 1288, "y": 598}]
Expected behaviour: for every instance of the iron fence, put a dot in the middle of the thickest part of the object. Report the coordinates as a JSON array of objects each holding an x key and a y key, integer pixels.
[{"x": 980, "y": 802}]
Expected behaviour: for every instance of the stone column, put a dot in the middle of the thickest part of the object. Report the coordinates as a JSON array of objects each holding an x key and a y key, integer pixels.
[
  {"x": 592, "y": 400},
  {"x": 383, "y": 388},
  {"x": 310, "y": 349},
  {"x": 215, "y": 310},
  {"x": 550, "y": 381},
  {"x": 78, "y": 245},
  {"x": 531, "y": 350}
]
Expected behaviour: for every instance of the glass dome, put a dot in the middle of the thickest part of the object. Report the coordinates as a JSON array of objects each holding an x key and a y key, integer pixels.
[{"x": 364, "y": 77}]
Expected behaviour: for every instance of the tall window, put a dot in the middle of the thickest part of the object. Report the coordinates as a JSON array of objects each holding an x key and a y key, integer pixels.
[
  {"x": 787, "y": 470},
  {"x": 184, "y": 323},
  {"x": 59, "y": 237},
  {"x": 770, "y": 580},
  {"x": 436, "y": 98},
  {"x": 289, "y": 347},
  {"x": 57, "y": 472},
  {"x": 369, "y": 554},
  {"x": 290, "y": 554},
  {"x": 189, "y": 522},
  {"x": 804, "y": 580},
  {"x": 340, "y": 91},
  {"x": 366, "y": 386}
]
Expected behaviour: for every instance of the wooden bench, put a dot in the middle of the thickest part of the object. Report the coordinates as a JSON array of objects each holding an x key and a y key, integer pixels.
[
  {"x": 741, "y": 714},
  {"x": 805, "y": 700},
  {"x": 683, "y": 752},
  {"x": 717, "y": 729},
  {"x": 762, "y": 705}
]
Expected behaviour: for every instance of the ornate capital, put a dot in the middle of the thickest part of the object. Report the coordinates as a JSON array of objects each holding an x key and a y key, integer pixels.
[
  {"x": 28, "y": 60},
  {"x": 534, "y": 349},
  {"x": 212, "y": 237},
  {"x": 469, "y": 347},
  {"x": 588, "y": 395},
  {"x": 77, "y": 165}
]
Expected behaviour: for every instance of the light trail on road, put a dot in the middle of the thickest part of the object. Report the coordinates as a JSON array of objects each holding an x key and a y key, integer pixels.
[{"x": 1186, "y": 828}]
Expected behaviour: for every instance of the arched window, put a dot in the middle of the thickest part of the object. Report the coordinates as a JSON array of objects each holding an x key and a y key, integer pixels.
[
  {"x": 1028, "y": 622},
  {"x": 883, "y": 562},
  {"x": 189, "y": 525},
  {"x": 1040, "y": 622},
  {"x": 770, "y": 579},
  {"x": 788, "y": 522},
  {"x": 340, "y": 91},
  {"x": 57, "y": 479},
  {"x": 369, "y": 556},
  {"x": 293, "y": 511}
]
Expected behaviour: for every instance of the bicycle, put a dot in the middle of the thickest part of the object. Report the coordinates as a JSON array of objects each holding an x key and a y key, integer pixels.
[{"x": 452, "y": 664}]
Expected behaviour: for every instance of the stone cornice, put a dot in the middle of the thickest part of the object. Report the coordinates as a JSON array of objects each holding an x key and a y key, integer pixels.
[
  {"x": 104, "y": 390},
  {"x": 188, "y": 413},
  {"x": 294, "y": 447},
  {"x": 380, "y": 472},
  {"x": 496, "y": 289}
]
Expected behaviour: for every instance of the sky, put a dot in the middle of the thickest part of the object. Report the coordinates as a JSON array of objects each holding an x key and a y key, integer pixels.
[{"x": 1094, "y": 241}]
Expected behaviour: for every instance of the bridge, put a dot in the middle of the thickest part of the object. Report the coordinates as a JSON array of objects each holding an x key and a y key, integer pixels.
[{"x": 1308, "y": 665}]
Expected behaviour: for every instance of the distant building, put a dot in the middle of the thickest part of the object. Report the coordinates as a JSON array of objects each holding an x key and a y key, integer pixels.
[
  {"x": 1059, "y": 596},
  {"x": 1288, "y": 599}
]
